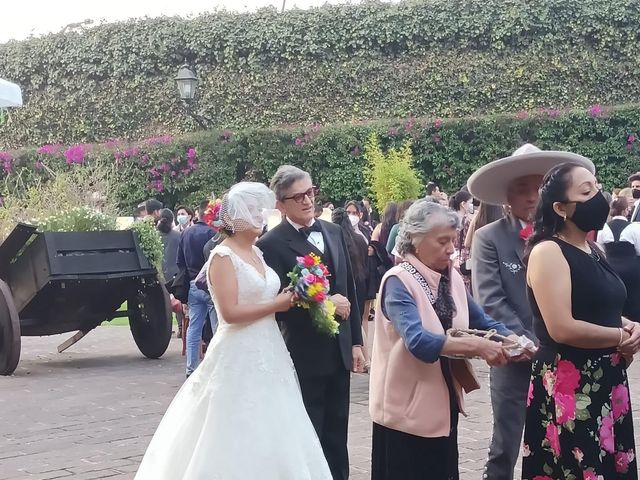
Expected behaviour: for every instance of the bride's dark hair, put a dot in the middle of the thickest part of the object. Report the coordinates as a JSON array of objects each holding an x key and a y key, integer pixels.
[{"x": 547, "y": 222}]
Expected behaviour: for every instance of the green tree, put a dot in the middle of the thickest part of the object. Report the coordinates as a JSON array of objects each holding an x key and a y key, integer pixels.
[{"x": 391, "y": 177}]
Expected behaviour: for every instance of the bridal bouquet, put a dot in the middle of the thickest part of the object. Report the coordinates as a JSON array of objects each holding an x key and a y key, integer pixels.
[{"x": 309, "y": 279}]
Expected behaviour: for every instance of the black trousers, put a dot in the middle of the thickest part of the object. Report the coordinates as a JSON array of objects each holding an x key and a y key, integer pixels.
[
  {"x": 398, "y": 455},
  {"x": 326, "y": 399}
]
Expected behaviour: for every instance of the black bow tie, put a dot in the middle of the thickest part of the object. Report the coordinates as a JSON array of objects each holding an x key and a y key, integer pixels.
[{"x": 306, "y": 231}]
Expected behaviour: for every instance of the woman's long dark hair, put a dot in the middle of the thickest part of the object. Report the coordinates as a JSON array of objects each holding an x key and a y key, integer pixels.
[
  {"x": 165, "y": 224},
  {"x": 357, "y": 247},
  {"x": 547, "y": 222},
  {"x": 389, "y": 219},
  {"x": 458, "y": 198},
  {"x": 353, "y": 203},
  {"x": 485, "y": 214}
]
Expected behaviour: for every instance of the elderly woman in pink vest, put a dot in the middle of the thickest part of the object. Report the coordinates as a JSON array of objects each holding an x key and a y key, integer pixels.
[{"x": 416, "y": 390}]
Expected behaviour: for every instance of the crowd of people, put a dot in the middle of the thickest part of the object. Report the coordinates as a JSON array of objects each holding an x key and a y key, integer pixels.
[{"x": 530, "y": 267}]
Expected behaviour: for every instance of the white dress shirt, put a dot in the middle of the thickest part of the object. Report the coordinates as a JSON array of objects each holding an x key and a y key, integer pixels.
[
  {"x": 631, "y": 234},
  {"x": 315, "y": 238}
]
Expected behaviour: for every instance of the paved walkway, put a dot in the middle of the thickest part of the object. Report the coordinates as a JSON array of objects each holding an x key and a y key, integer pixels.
[{"x": 90, "y": 412}]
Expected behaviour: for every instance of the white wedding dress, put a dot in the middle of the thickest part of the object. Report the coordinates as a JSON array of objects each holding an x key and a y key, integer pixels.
[{"x": 240, "y": 415}]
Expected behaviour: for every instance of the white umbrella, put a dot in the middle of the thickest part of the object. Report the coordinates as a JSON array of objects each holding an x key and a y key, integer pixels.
[{"x": 10, "y": 94}]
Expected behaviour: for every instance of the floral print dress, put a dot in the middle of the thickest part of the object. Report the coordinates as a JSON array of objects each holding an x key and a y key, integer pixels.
[{"x": 579, "y": 424}]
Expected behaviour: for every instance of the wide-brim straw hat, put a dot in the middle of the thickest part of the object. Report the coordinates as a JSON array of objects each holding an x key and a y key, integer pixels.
[{"x": 490, "y": 182}]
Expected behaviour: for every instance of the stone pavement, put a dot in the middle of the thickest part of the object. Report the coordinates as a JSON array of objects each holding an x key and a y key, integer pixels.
[{"x": 90, "y": 412}]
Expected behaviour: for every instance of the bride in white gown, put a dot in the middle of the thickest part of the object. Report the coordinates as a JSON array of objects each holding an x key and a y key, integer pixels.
[{"x": 240, "y": 415}]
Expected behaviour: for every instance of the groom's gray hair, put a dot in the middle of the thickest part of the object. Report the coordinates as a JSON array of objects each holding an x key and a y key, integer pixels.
[{"x": 286, "y": 176}]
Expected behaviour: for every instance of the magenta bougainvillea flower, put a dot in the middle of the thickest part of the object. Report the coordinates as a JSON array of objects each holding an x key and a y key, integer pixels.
[
  {"x": 75, "y": 154},
  {"x": 50, "y": 149},
  {"x": 191, "y": 153},
  {"x": 7, "y": 161},
  {"x": 595, "y": 110},
  {"x": 408, "y": 125},
  {"x": 131, "y": 152},
  {"x": 157, "y": 185},
  {"x": 438, "y": 123},
  {"x": 522, "y": 115},
  {"x": 159, "y": 140}
]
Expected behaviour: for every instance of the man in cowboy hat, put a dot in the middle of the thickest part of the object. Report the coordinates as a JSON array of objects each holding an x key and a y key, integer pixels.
[{"x": 499, "y": 283}]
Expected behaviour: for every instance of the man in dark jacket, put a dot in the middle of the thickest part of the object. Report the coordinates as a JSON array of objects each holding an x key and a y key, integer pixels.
[
  {"x": 323, "y": 363},
  {"x": 191, "y": 259}
]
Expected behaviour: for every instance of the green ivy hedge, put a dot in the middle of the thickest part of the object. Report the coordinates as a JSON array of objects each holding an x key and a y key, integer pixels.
[
  {"x": 192, "y": 167},
  {"x": 331, "y": 64}
]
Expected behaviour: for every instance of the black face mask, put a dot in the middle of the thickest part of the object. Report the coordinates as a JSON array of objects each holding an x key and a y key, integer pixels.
[
  {"x": 592, "y": 214},
  {"x": 636, "y": 193}
]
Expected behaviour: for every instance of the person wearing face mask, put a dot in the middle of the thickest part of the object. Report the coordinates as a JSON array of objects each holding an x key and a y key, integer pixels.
[
  {"x": 498, "y": 274},
  {"x": 354, "y": 210},
  {"x": 578, "y": 422},
  {"x": 200, "y": 307},
  {"x": 462, "y": 204},
  {"x": 184, "y": 217},
  {"x": 357, "y": 249}
]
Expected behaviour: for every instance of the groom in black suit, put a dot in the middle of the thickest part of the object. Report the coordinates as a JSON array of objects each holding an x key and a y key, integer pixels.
[{"x": 323, "y": 363}]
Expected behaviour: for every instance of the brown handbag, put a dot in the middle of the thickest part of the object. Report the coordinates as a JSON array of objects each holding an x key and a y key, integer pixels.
[{"x": 462, "y": 371}]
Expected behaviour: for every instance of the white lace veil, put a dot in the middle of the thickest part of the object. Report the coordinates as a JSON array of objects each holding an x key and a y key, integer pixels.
[{"x": 243, "y": 206}]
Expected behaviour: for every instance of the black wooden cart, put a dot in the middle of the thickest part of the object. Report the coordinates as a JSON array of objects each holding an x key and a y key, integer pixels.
[{"x": 57, "y": 282}]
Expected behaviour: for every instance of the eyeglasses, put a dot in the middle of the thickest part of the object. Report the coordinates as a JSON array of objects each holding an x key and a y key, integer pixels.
[{"x": 299, "y": 197}]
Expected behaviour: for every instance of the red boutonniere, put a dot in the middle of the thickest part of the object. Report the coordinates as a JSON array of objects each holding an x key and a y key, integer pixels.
[{"x": 526, "y": 232}]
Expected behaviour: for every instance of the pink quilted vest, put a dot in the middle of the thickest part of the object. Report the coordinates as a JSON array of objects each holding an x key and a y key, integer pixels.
[{"x": 407, "y": 394}]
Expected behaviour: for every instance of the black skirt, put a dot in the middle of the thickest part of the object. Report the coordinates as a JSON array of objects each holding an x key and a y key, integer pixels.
[{"x": 398, "y": 455}]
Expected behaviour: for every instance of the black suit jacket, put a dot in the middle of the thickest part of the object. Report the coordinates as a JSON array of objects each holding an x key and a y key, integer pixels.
[{"x": 314, "y": 353}]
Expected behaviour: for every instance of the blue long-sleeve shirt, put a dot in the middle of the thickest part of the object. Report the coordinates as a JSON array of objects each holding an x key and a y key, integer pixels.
[
  {"x": 190, "y": 250},
  {"x": 400, "y": 308}
]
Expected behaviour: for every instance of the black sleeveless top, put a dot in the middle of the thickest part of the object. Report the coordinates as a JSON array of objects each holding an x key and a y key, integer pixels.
[{"x": 597, "y": 296}]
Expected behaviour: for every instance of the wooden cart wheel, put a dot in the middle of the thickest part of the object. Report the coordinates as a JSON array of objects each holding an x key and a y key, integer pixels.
[
  {"x": 151, "y": 320},
  {"x": 9, "y": 332}
]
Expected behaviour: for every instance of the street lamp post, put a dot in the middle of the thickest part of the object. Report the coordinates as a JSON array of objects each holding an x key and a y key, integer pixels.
[{"x": 187, "y": 83}]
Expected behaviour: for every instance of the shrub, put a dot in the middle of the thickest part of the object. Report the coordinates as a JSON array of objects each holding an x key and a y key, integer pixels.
[
  {"x": 390, "y": 176},
  {"x": 331, "y": 64},
  {"x": 445, "y": 151}
]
